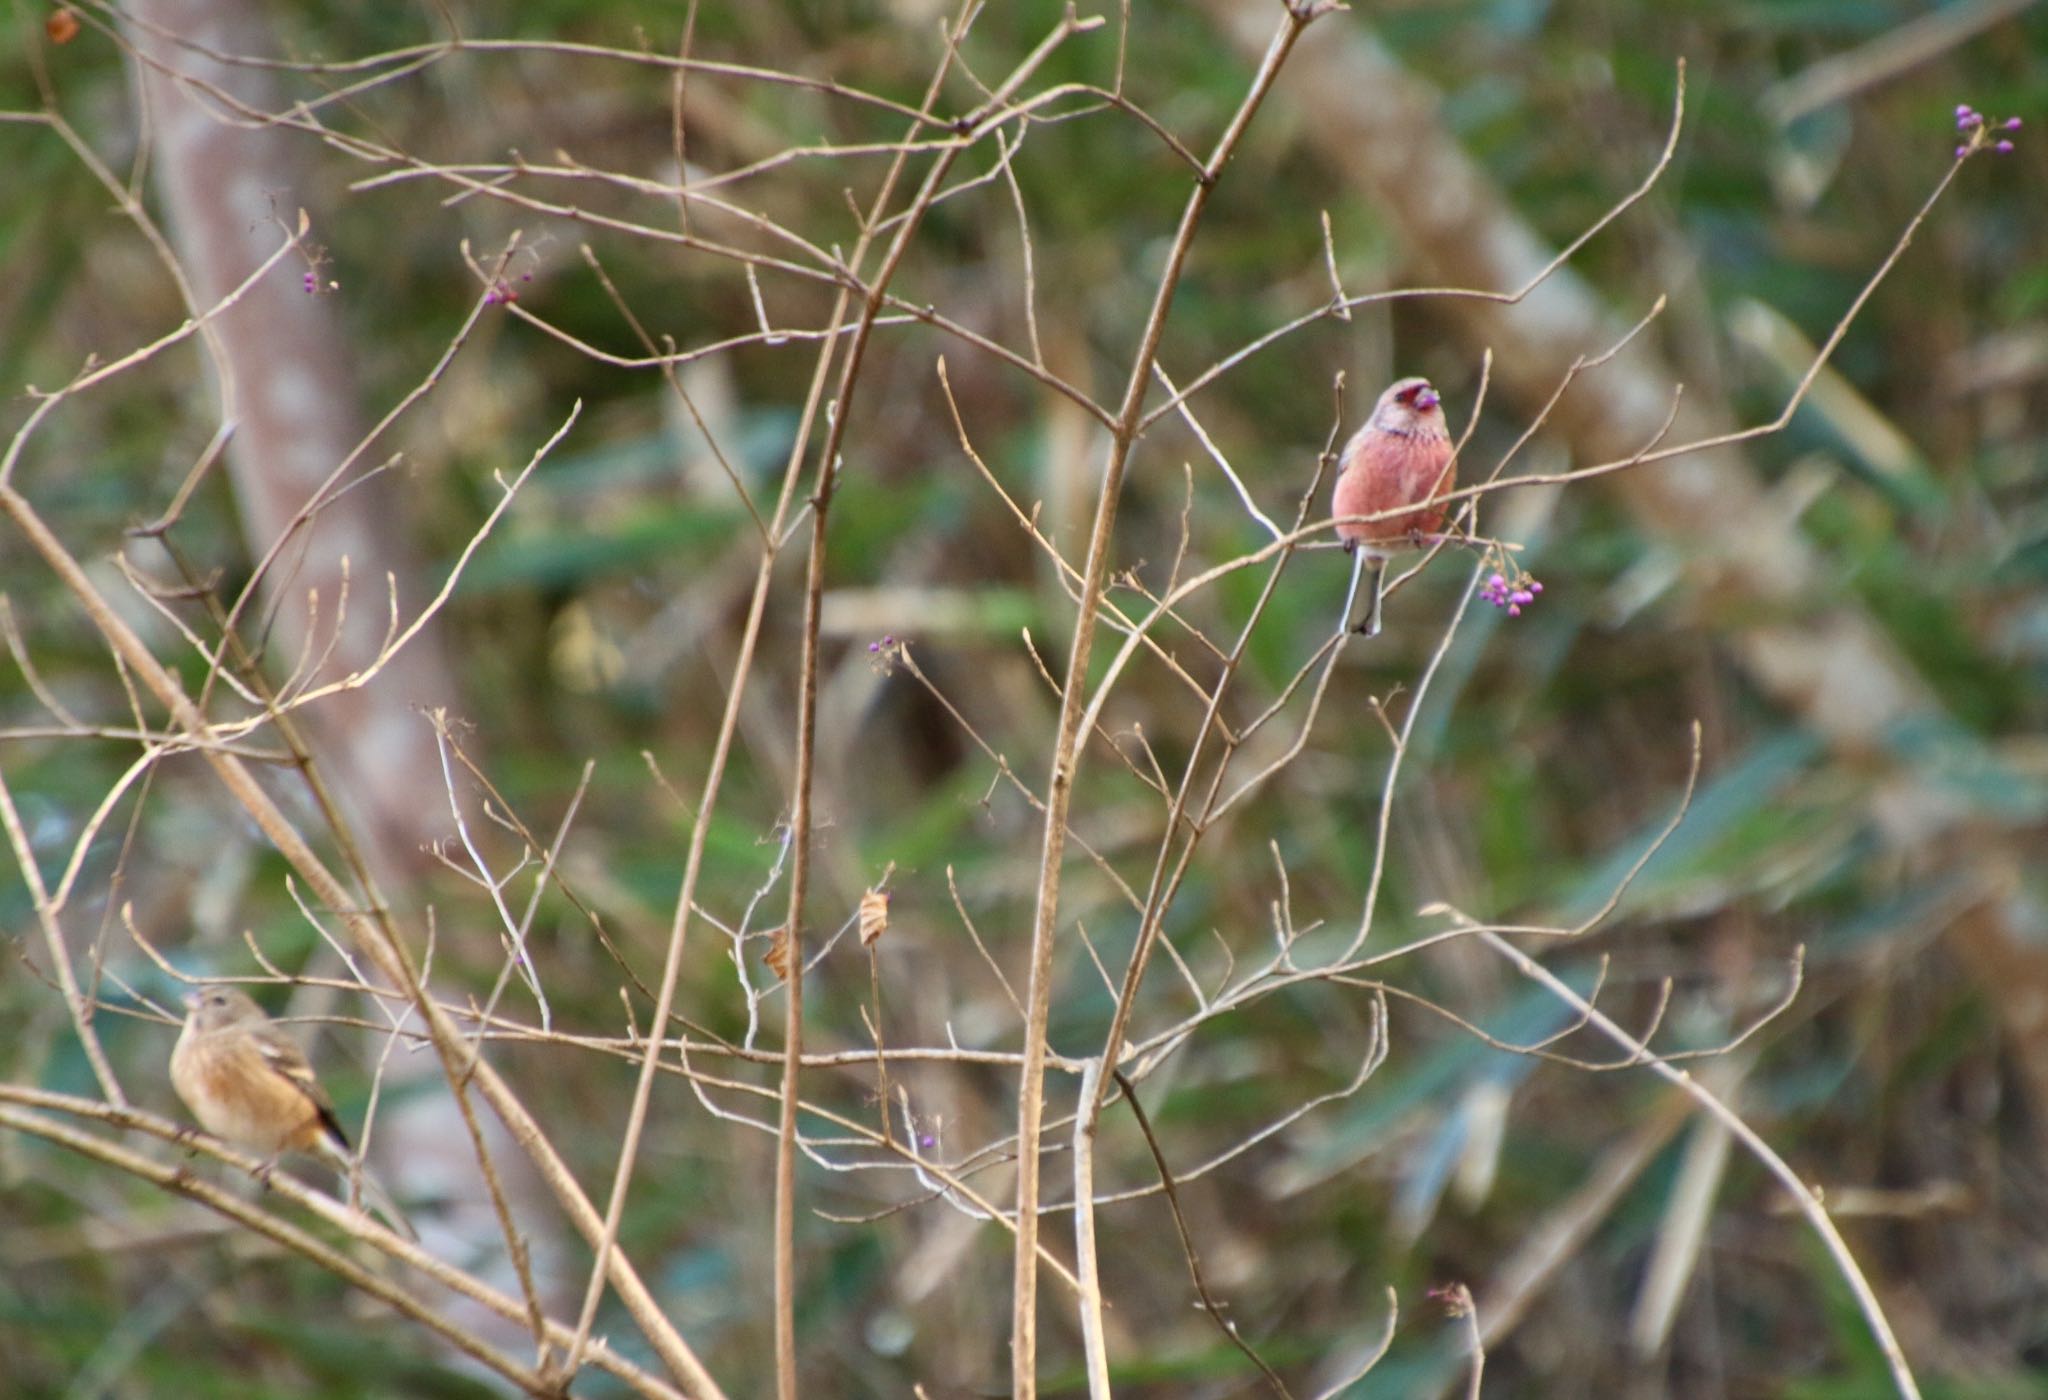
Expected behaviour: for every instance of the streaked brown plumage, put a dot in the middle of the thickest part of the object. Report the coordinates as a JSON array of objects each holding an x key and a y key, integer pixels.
[
  {"x": 1401, "y": 457},
  {"x": 247, "y": 1081}
]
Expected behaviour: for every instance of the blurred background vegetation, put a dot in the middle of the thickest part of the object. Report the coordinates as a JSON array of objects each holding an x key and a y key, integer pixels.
[{"x": 1909, "y": 1079}]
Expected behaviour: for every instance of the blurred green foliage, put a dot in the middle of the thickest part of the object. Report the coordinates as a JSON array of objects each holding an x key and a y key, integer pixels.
[{"x": 600, "y": 623}]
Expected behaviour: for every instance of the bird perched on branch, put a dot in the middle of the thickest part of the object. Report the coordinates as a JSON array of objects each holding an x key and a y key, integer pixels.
[
  {"x": 247, "y": 1081},
  {"x": 1401, "y": 457}
]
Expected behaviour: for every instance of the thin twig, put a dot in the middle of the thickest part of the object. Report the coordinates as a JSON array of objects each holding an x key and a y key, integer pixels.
[
  {"x": 1060, "y": 783},
  {"x": 1803, "y": 1196},
  {"x": 1187, "y": 1243}
]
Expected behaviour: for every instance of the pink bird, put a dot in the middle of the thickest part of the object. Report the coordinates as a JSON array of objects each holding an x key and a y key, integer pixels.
[{"x": 1401, "y": 457}]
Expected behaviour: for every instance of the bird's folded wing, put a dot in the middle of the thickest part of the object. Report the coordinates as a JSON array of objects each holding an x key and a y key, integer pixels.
[{"x": 283, "y": 1055}]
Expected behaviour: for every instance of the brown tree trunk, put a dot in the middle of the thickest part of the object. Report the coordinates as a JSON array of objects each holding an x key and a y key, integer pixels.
[
  {"x": 226, "y": 190},
  {"x": 226, "y": 186}
]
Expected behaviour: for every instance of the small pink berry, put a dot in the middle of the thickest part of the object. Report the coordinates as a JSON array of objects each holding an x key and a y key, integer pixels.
[
  {"x": 2012, "y": 123},
  {"x": 2004, "y": 148},
  {"x": 1514, "y": 609}
]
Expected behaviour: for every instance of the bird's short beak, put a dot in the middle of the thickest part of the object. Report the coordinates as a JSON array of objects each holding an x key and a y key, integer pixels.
[
  {"x": 1427, "y": 399},
  {"x": 191, "y": 999}
]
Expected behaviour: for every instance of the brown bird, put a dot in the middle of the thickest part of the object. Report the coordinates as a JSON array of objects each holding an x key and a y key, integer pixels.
[
  {"x": 247, "y": 1081},
  {"x": 1401, "y": 457}
]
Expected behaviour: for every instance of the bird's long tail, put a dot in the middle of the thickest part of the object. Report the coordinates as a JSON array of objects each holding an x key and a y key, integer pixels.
[{"x": 1375, "y": 581}]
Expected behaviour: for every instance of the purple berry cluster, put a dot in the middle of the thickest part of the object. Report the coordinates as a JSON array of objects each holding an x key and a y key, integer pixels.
[
  {"x": 1980, "y": 131},
  {"x": 1512, "y": 594},
  {"x": 314, "y": 282}
]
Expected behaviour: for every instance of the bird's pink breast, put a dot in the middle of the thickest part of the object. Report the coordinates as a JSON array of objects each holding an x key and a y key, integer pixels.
[{"x": 1383, "y": 471}]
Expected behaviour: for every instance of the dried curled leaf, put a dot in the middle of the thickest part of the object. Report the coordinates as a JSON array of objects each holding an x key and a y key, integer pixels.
[
  {"x": 61, "y": 26},
  {"x": 874, "y": 917},
  {"x": 777, "y": 956}
]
